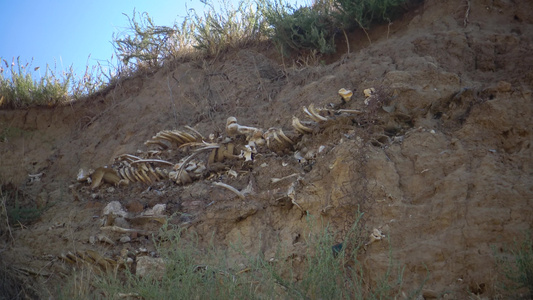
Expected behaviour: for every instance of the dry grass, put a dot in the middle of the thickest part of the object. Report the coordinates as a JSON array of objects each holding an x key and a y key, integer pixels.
[{"x": 146, "y": 47}]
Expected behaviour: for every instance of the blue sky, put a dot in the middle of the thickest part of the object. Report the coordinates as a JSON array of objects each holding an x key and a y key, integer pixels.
[{"x": 68, "y": 31}]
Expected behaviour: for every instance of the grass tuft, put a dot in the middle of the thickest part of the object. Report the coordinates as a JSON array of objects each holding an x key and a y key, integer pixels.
[
  {"x": 229, "y": 27},
  {"x": 17, "y": 210},
  {"x": 193, "y": 272},
  {"x": 516, "y": 265}
]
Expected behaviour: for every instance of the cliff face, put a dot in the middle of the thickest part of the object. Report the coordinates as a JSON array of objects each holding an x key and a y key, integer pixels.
[{"x": 445, "y": 172}]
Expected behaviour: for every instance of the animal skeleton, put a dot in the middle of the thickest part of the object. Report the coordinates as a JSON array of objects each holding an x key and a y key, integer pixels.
[{"x": 149, "y": 169}]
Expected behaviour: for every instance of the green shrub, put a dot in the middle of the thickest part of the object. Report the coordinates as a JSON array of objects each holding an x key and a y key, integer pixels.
[
  {"x": 305, "y": 28},
  {"x": 17, "y": 211},
  {"x": 517, "y": 266},
  {"x": 314, "y": 28},
  {"x": 352, "y": 13},
  {"x": 18, "y": 89},
  {"x": 337, "y": 273}
]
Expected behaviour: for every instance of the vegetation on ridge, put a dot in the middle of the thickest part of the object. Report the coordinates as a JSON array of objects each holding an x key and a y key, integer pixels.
[{"x": 144, "y": 45}]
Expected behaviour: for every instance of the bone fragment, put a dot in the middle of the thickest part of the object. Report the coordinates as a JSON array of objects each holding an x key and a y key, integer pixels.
[
  {"x": 345, "y": 94},
  {"x": 230, "y": 188},
  {"x": 275, "y": 180},
  {"x": 123, "y": 230},
  {"x": 300, "y": 127},
  {"x": 158, "y": 161}
]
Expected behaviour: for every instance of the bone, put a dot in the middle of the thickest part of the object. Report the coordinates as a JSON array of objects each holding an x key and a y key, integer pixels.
[
  {"x": 230, "y": 188},
  {"x": 345, "y": 94},
  {"x": 275, "y": 180},
  {"x": 300, "y": 127}
]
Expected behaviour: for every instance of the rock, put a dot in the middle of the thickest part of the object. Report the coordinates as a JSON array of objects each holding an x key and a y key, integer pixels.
[
  {"x": 134, "y": 206},
  {"x": 157, "y": 210},
  {"x": 104, "y": 239},
  {"x": 150, "y": 266},
  {"x": 41, "y": 200},
  {"x": 429, "y": 294},
  {"x": 115, "y": 208},
  {"x": 125, "y": 239},
  {"x": 503, "y": 86}
]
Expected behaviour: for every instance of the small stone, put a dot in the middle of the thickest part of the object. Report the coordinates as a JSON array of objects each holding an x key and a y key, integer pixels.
[
  {"x": 104, "y": 239},
  {"x": 125, "y": 239},
  {"x": 430, "y": 294},
  {"x": 504, "y": 86},
  {"x": 157, "y": 210},
  {"x": 42, "y": 200},
  {"x": 134, "y": 206},
  {"x": 115, "y": 208},
  {"x": 124, "y": 252},
  {"x": 147, "y": 265},
  {"x": 92, "y": 240}
]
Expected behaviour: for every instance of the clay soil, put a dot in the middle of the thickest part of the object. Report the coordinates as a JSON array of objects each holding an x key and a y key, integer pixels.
[{"x": 445, "y": 174}]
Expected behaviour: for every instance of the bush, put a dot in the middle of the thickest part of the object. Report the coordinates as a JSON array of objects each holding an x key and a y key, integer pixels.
[
  {"x": 230, "y": 27},
  {"x": 18, "y": 89},
  {"x": 306, "y": 28},
  {"x": 353, "y": 13},
  {"x": 315, "y": 27},
  {"x": 17, "y": 210},
  {"x": 517, "y": 266},
  {"x": 144, "y": 44}
]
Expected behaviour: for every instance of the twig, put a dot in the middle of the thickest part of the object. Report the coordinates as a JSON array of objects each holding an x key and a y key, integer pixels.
[
  {"x": 347, "y": 41},
  {"x": 388, "y": 28},
  {"x": 364, "y": 30},
  {"x": 465, "y": 21},
  {"x": 7, "y": 219},
  {"x": 230, "y": 188}
]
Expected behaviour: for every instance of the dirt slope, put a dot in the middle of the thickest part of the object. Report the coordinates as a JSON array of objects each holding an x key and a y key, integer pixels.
[{"x": 446, "y": 175}]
